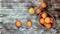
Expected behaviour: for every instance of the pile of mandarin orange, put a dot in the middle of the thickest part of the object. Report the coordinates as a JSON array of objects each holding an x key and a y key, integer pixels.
[{"x": 46, "y": 20}]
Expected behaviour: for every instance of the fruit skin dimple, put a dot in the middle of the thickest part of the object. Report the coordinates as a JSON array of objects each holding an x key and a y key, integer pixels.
[
  {"x": 29, "y": 23},
  {"x": 44, "y": 15},
  {"x": 31, "y": 10},
  {"x": 42, "y": 21},
  {"x": 47, "y": 20}
]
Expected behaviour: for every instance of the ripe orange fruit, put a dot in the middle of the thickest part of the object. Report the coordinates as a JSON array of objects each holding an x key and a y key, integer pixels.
[
  {"x": 48, "y": 26},
  {"x": 43, "y": 5},
  {"x": 29, "y": 23},
  {"x": 18, "y": 23},
  {"x": 44, "y": 15},
  {"x": 38, "y": 11},
  {"x": 52, "y": 20},
  {"x": 42, "y": 21},
  {"x": 47, "y": 20}
]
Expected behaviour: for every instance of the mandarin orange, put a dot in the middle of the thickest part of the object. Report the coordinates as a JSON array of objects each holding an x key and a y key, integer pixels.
[
  {"x": 18, "y": 23},
  {"x": 52, "y": 20},
  {"x": 38, "y": 11},
  {"x": 43, "y": 5},
  {"x": 48, "y": 26},
  {"x": 44, "y": 15},
  {"x": 42, "y": 21},
  {"x": 47, "y": 20},
  {"x": 29, "y": 23}
]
